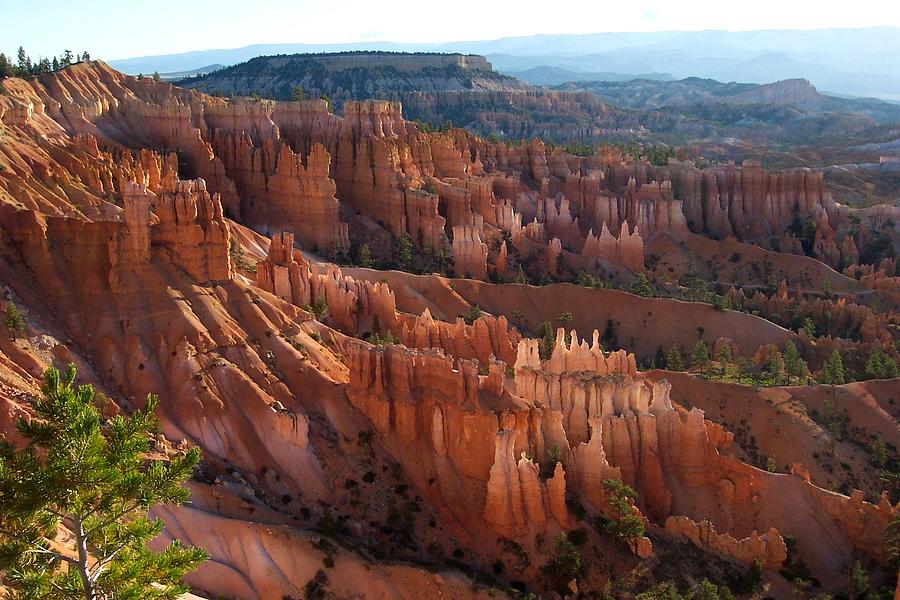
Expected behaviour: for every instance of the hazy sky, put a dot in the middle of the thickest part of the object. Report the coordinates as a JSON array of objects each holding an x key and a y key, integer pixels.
[{"x": 112, "y": 29}]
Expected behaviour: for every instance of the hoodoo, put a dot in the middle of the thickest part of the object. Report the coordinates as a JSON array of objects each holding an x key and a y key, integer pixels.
[{"x": 369, "y": 325}]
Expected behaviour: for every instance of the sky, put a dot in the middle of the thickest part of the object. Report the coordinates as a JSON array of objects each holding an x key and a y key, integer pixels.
[{"x": 114, "y": 29}]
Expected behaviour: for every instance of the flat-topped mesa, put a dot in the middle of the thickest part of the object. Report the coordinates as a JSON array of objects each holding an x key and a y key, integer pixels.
[
  {"x": 400, "y": 61},
  {"x": 354, "y": 306},
  {"x": 626, "y": 250},
  {"x": 190, "y": 231},
  {"x": 769, "y": 549},
  {"x": 486, "y": 338},
  {"x": 469, "y": 252}
]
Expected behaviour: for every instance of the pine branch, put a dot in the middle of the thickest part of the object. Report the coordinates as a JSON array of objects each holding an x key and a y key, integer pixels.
[
  {"x": 112, "y": 519},
  {"x": 38, "y": 548}
]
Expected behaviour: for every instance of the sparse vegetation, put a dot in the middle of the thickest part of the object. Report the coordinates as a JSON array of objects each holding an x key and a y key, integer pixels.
[
  {"x": 91, "y": 476},
  {"x": 626, "y": 524},
  {"x": 14, "y": 320}
]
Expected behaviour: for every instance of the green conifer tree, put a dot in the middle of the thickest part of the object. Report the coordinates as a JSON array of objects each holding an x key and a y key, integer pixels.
[
  {"x": 548, "y": 340},
  {"x": 640, "y": 286},
  {"x": 405, "y": 253},
  {"x": 794, "y": 365},
  {"x": 879, "y": 365},
  {"x": 91, "y": 476},
  {"x": 833, "y": 369},
  {"x": 14, "y": 320},
  {"x": 521, "y": 277},
  {"x": 6, "y": 67},
  {"x": 674, "y": 359},
  {"x": 626, "y": 524},
  {"x": 810, "y": 328},
  {"x": 700, "y": 356},
  {"x": 364, "y": 256}
]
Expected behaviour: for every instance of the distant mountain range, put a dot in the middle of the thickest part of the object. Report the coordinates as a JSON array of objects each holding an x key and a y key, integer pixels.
[
  {"x": 859, "y": 62},
  {"x": 553, "y": 76}
]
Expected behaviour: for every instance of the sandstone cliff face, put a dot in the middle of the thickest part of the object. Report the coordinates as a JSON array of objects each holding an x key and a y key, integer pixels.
[
  {"x": 607, "y": 422},
  {"x": 469, "y": 252},
  {"x": 768, "y": 548},
  {"x": 486, "y": 338},
  {"x": 276, "y": 187},
  {"x": 354, "y": 307},
  {"x": 291, "y": 165}
]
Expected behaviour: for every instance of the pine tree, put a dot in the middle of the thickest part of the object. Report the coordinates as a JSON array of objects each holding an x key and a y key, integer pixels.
[
  {"x": 297, "y": 93},
  {"x": 156, "y": 76},
  {"x": 55, "y": 64},
  {"x": 725, "y": 355},
  {"x": 405, "y": 252},
  {"x": 90, "y": 476},
  {"x": 810, "y": 328},
  {"x": 67, "y": 58},
  {"x": 769, "y": 359},
  {"x": 548, "y": 340},
  {"x": 24, "y": 63},
  {"x": 626, "y": 524},
  {"x": 364, "y": 256},
  {"x": 879, "y": 365},
  {"x": 521, "y": 277},
  {"x": 674, "y": 359},
  {"x": 794, "y": 364},
  {"x": 833, "y": 369},
  {"x": 700, "y": 355},
  {"x": 6, "y": 67},
  {"x": 14, "y": 320},
  {"x": 85, "y": 56},
  {"x": 640, "y": 286}
]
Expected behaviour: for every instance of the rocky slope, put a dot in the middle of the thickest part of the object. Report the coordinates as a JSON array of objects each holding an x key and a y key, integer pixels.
[{"x": 358, "y": 437}]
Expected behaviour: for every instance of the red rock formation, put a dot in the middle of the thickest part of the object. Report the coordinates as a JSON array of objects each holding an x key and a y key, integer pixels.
[
  {"x": 190, "y": 233},
  {"x": 769, "y": 549},
  {"x": 469, "y": 252},
  {"x": 276, "y": 187},
  {"x": 627, "y": 249},
  {"x": 485, "y": 338},
  {"x": 353, "y": 306}
]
